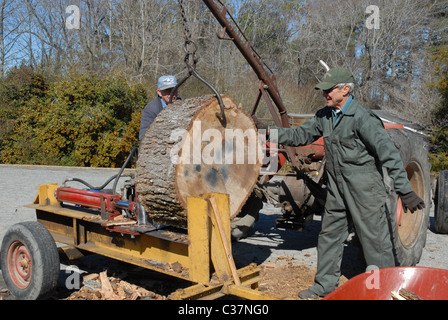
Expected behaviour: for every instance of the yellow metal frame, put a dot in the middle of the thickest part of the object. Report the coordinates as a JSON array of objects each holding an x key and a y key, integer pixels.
[{"x": 202, "y": 256}]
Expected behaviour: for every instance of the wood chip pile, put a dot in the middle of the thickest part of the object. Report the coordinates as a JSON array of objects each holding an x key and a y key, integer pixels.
[{"x": 101, "y": 287}]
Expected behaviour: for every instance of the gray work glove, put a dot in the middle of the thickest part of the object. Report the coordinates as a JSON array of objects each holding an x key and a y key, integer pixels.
[
  {"x": 259, "y": 124},
  {"x": 411, "y": 201}
]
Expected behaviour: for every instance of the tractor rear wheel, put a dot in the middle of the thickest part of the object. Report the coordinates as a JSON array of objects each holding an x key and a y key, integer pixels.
[
  {"x": 408, "y": 230},
  {"x": 30, "y": 261},
  {"x": 441, "y": 203}
]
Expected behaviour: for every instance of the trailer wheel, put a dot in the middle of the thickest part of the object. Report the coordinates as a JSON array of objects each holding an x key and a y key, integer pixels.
[
  {"x": 30, "y": 261},
  {"x": 408, "y": 230},
  {"x": 441, "y": 203}
]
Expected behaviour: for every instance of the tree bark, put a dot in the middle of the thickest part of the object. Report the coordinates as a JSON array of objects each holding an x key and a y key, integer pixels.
[{"x": 187, "y": 151}]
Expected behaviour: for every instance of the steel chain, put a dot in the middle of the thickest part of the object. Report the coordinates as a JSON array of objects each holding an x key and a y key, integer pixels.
[{"x": 190, "y": 49}]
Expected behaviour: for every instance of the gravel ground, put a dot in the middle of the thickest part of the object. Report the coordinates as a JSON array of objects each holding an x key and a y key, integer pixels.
[{"x": 266, "y": 245}]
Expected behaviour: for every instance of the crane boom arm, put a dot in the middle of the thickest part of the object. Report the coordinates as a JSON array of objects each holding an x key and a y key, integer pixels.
[{"x": 268, "y": 81}]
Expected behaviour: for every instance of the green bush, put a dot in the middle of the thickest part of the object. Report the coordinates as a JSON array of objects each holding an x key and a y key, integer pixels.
[{"x": 79, "y": 121}]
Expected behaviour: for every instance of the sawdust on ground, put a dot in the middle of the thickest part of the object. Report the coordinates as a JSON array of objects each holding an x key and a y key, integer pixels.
[{"x": 285, "y": 278}]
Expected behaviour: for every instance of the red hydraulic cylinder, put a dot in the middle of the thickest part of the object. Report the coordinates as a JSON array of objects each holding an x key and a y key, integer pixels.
[{"x": 87, "y": 198}]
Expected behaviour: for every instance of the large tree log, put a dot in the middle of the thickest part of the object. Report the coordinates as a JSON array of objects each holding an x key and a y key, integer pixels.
[{"x": 187, "y": 151}]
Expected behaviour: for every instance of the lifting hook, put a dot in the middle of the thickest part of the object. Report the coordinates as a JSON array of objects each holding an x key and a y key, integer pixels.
[{"x": 190, "y": 49}]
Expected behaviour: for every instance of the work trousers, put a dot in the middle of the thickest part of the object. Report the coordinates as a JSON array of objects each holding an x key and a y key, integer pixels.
[{"x": 362, "y": 197}]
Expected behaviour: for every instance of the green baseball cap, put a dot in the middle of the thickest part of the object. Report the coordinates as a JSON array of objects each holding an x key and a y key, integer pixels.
[{"x": 333, "y": 77}]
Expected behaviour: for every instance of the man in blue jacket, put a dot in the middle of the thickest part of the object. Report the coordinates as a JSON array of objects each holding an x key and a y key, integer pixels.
[{"x": 164, "y": 87}]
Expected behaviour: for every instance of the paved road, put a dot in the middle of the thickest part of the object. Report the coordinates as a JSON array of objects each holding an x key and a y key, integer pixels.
[{"x": 19, "y": 187}]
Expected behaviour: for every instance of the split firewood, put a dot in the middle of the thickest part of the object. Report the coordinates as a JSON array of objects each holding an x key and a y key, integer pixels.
[
  {"x": 409, "y": 295},
  {"x": 404, "y": 294},
  {"x": 106, "y": 288},
  {"x": 119, "y": 223},
  {"x": 92, "y": 276},
  {"x": 396, "y": 296},
  {"x": 101, "y": 287},
  {"x": 134, "y": 296}
]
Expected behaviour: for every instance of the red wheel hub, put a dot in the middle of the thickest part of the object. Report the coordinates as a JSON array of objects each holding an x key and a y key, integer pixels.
[{"x": 19, "y": 264}]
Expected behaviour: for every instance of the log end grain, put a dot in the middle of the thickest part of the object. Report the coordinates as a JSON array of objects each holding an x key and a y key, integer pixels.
[{"x": 188, "y": 152}]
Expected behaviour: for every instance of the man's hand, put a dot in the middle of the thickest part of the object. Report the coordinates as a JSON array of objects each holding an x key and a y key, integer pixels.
[
  {"x": 259, "y": 124},
  {"x": 411, "y": 201}
]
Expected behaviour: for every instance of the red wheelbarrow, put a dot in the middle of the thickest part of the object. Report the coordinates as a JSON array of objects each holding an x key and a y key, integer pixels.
[{"x": 426, "y": 283}]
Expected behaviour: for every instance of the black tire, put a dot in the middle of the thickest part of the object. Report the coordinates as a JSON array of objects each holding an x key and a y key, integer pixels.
[
  {"x": 441, "y": 203},
  {"x": 409, "y": 230},
  {"x": 243, "y": 224},
  {"x": 30, "y": 261}
]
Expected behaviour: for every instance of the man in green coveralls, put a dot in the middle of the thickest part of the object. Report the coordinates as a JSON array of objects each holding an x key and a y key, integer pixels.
[{"x": 357, "y": 147}]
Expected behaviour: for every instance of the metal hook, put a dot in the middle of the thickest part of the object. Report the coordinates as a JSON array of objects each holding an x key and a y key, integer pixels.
[
  {"x": 221, "y": 116},
  {"x": 192, "y": 71}
]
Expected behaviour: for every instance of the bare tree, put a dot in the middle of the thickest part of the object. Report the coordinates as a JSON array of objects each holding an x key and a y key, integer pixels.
[
  {"x": 144, "y": 39},
  {"x": 10, "y": 24}
]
